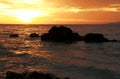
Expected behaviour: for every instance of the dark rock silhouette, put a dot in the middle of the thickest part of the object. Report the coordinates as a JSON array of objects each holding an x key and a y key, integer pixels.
[
  {"x": 65, "y": 34},
  {"x": 95, "y": 37},
  {"x": 33, "y": 35},
  {"x": 13, "y": 75},
  {"x": 61, "y": 34},
  {"x": 114, "y": 40},
  {"x": 31, "y": 75},
  {"x": 34, "y": 75},
  {"x": 14, "y": 35}
]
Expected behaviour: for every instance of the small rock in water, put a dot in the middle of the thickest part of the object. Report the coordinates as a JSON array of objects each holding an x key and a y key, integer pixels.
[
  {"x": 14, "y": 35},
  {"x": 95, "y": 37},
  {"x": 32, "y": 35}
]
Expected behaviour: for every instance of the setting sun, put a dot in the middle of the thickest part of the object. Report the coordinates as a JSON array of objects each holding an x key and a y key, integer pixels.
[
  {"x": 59, "y": 12},
  {"x": 59, "y": 39},
  {"x": 27, "y": 15}
]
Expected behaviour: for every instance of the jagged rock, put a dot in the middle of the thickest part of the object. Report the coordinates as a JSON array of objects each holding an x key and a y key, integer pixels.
[
  {"x": 32, "y": 35},
  {"x": 61, "y": 34}
]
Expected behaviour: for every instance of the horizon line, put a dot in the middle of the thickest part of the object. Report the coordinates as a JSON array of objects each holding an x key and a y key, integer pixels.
[{"x": 59, "y": 23}]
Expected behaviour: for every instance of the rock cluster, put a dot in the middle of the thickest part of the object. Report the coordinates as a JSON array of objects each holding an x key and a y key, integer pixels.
[{"x": 65, "y": 34}]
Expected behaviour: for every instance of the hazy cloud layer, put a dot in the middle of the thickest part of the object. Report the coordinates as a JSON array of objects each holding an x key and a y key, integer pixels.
[{"x": 55, "y": 7}]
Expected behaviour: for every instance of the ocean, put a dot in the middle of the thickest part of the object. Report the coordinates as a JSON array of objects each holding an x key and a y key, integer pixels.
[{"x": 77, "y": 60}]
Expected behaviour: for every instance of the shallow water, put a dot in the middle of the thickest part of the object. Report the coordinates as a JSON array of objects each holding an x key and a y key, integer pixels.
[{"x": 78, "y": 60}]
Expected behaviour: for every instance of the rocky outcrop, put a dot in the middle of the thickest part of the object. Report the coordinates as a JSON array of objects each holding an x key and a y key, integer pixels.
[{"x": 61, "y": 34}]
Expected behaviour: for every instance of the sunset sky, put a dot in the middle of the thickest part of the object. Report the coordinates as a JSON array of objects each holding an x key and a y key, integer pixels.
[{"x": 59, "y": 11}]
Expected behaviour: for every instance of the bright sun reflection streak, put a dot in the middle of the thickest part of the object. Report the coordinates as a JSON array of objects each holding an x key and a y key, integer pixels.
[{"x": 27, "y": 15}]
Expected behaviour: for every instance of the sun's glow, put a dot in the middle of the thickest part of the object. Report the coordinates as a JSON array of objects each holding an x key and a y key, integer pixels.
[{"x": 27, "y": 15}]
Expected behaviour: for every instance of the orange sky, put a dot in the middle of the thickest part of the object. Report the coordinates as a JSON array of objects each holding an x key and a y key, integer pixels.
[{"x": 59, "y": 11}]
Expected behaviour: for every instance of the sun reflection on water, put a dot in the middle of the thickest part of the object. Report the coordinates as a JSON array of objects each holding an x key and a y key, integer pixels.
[{"x": 25, "y": 53}]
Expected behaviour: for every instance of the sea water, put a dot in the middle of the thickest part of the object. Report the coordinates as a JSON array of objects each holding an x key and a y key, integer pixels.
[{"x": 77, "y": 60}]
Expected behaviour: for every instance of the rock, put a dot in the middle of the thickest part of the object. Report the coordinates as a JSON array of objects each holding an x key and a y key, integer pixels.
[
  {"x": 60, "y": 29},
  {"x": 67, "y": 78},
  {"x": 49, "y": 76},
  {"x": 33, "y": 35},
  {"x": 14, "y": 35},
  {"x": 13, "y": 75},
  {"x": 30, "y": 75},
  {"x": 78, "y": 37},
  {"x": 33, "y": 75},
  {"x": 114, "y": 40},
  {"x": 61, "y": 34},
  {"x": 95, "y": 37}
]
